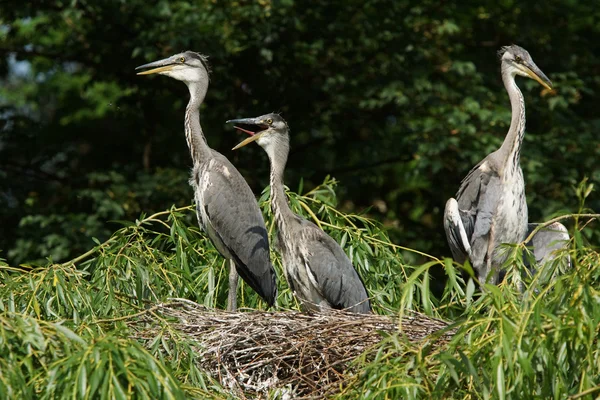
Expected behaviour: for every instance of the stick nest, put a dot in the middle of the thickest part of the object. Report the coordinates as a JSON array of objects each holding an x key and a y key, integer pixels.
[{"x": 288, "y": 353}]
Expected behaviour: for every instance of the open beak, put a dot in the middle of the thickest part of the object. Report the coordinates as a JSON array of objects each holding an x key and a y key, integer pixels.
[
  {"x": 253, "y": 135},
  {"x": 157, "y": 66},
  {"x": 535, "y": 73}
]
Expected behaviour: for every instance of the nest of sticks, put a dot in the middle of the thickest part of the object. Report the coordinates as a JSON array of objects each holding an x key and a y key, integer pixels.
[{"x": 297, "y": 355}]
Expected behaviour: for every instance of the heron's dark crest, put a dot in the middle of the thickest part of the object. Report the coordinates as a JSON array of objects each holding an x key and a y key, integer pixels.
[
  {"x": 518, "y": 53},
  {"x": 513, "y": 48},
  {"x": 200, "y": 57},
  {"x": 277, "y": 118}
]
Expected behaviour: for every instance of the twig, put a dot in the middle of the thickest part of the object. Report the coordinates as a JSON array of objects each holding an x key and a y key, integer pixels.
[
  {"x": 93, "y": 250},
  {"x": 585, "y": 392},
  {"x": 312, "y": 214},
  {"x": 258, "y": 353},
  {"x": 129, "y": 316},
  {"x": 553, "y": 220},
  {"x": 407, "y": 249}
]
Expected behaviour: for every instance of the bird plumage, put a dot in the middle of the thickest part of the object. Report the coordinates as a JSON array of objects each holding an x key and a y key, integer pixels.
[
  {"x": 236, "y": 228},
  {"x": 316, "y": 268},
  {"x": 547, "y": 245},
  {"x": 549, "y": 242},
  {"x": 490, "y": 206},
  {"x": 225, "y": 205}
]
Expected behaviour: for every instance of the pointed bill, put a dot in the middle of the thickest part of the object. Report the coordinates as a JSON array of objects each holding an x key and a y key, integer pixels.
[
  {"x": 250, "y": 139},
  {"x": 166, "y": 64},
  {"x": 253, "y": 135},
  {"x": 156, "y": 70},
  {"x": 245, "y": 121},
  {"x": 535, "y": 73}
]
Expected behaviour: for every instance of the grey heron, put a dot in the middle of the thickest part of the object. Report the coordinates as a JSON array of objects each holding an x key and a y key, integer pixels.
[
  {"x": 547, "y": 246},
  {"x": 225, "y": 205},
  {"x": 548, "y": 242},
  {"x": 318, "y": 271},
  {"x": 490, "y": 206}
]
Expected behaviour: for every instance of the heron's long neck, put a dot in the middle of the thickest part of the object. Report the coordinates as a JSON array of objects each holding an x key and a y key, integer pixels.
[
  {"x": 279, "y": 204},
  {"x": 194, "y": 136},
  {"x": 511, "y": 147}
]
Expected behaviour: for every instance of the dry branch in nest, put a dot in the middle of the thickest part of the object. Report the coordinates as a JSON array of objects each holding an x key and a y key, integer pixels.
[{"x": 298, "y": 355}]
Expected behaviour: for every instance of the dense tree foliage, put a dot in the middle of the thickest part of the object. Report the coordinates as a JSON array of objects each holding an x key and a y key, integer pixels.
[
  {"x": 396, "y": 99},
  {"x": 390, "y": 103}
]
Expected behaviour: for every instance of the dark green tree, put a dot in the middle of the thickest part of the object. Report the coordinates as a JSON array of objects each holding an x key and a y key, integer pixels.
[{"x": 396, "y": 99}]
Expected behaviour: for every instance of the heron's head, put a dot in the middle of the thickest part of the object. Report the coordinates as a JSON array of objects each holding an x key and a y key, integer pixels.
[
  {"x": 189, "y": 67},
  {"x": 269, "y": 131},
  {"x": 517, "y": 61}
]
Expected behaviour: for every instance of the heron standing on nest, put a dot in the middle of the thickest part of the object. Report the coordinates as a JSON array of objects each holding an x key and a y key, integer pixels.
[
  {"x": 490, "y": 206},
  {"x": 318, "y": 271},
  {"x": 225, "y": 206}
]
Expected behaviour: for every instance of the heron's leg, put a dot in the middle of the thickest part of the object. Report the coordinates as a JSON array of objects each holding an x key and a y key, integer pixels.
[{"x": 233, "y": 284}]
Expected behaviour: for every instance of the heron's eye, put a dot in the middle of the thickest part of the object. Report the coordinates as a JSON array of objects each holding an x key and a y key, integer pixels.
[
  {"x": 182, "y": 59},
  {"x": 270, "y": 121},
  {"x": 518, "y": 59}
]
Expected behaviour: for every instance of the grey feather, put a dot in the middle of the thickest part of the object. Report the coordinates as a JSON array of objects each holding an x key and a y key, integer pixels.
[
  {"x": 490, "y": 207},
  {"x": 316, "y": 268},
  {"x": 459, "y": 229},
  {"x": 226, "y": 207},
  {"x": 335, "y": 282},
  {"x": 549, "y": 243},
  {"x": 229, "y": 214}
]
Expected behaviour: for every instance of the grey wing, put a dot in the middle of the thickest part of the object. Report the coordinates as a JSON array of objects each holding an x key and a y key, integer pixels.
[
  {"x": 476, "y": 203},
  {"x": 548, "y": 242},
  {"x": 236, "y": 226},
  {"x": 337, "y": 280}
]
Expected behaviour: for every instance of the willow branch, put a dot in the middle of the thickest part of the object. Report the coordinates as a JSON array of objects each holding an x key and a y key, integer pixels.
[
  {"x": 152, "y": 218},
  {"x": 557, "y": 219}
]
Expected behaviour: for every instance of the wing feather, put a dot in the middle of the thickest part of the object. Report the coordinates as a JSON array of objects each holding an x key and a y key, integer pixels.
[
  {"x": 478, "y": 198},
  {"x": 337, "y": 280},
  {"x": 548, "y": 242},
  {"x": 235, "y": 224}
]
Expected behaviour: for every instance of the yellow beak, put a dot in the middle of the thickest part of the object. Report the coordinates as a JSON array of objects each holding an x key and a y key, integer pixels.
[
  {"x": 250, "y": 139},
  {"x": 156, "y": 70},
  {"x": 535, "y": 73}
]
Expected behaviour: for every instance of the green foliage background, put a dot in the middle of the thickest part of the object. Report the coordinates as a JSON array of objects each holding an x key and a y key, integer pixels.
[{"x": 395, "y": 99}]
